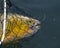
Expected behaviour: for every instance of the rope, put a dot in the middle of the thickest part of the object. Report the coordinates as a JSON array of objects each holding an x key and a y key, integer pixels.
[{"x": 4, "y": 22}]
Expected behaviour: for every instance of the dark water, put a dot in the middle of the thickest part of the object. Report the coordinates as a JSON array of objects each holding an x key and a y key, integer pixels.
[
  {"x": 49, "y": 34},
  {"x": 48, "y": 12}
]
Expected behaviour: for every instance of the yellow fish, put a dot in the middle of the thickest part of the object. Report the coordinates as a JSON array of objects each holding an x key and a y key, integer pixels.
[{"x": 19, "y": 27}]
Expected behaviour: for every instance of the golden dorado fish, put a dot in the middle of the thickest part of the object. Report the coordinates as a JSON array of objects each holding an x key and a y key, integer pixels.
[{"x": 19, "y": 27}]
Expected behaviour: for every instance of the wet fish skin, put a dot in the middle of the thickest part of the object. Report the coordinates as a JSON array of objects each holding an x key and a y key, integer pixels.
[{"x": 19, "y": 27}]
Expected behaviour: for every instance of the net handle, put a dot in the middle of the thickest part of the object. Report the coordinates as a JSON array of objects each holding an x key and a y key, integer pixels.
[{"x": 4, "y": 23}]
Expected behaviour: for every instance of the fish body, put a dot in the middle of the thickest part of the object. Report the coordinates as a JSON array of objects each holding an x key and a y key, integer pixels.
[{"x": 19, "y": 27}]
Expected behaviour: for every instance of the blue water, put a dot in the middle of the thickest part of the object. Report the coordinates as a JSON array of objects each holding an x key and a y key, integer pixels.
[{"x": 48, "y": 12}]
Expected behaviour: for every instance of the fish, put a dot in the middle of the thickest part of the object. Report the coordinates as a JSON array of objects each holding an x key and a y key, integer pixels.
[{"x": 19, "y": 27}]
